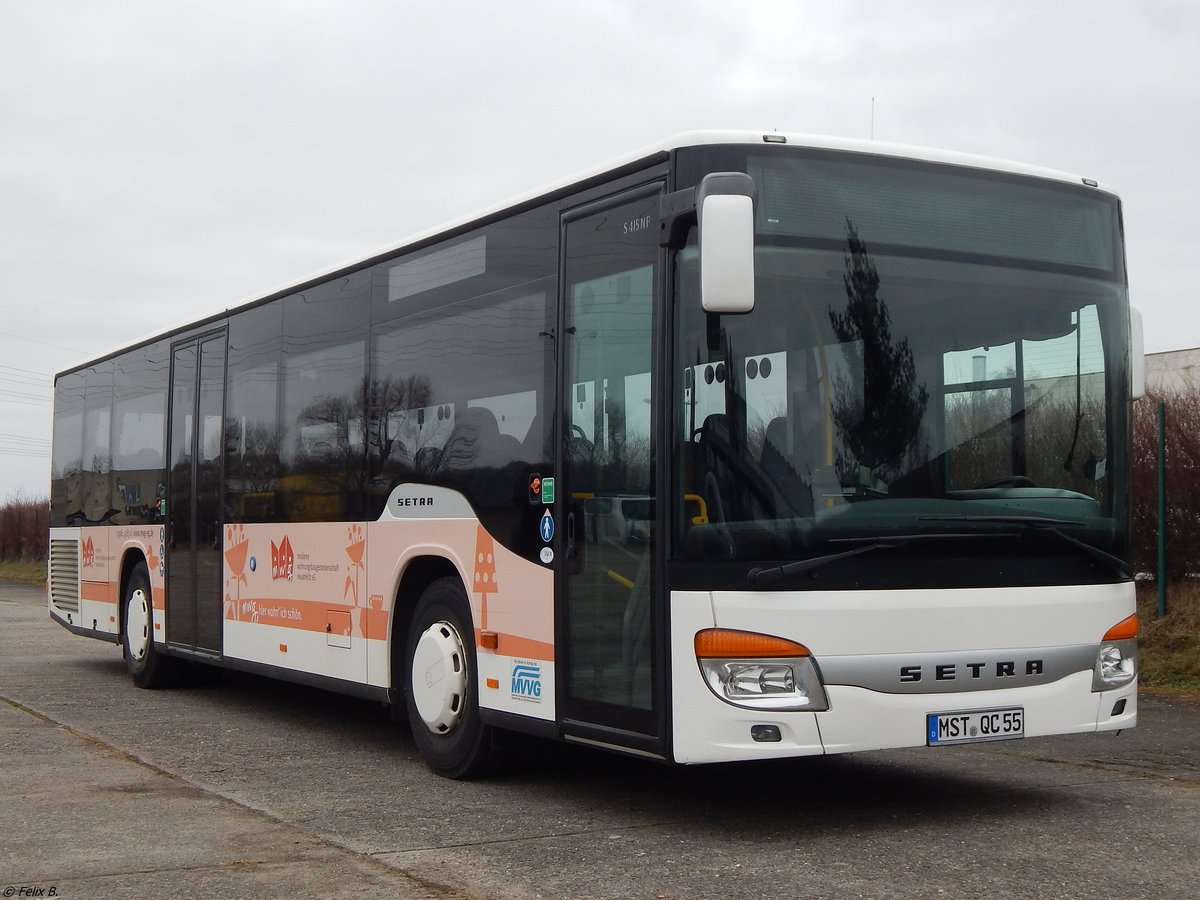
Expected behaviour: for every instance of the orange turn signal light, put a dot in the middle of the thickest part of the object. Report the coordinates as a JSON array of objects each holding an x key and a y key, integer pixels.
[
  {"x": 725, "y": 643},
  {"x": 1123, "y": 630}
]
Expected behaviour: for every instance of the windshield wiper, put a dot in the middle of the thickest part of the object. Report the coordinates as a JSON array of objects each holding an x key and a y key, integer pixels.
[
  {"x": 1050, "y": 526},
  {"x": 763, "y": 575}
]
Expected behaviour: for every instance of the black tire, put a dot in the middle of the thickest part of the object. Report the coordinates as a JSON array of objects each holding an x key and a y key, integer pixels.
[
  {"x": 450, "y": 735},
  {"x": 147, "y": 666}
]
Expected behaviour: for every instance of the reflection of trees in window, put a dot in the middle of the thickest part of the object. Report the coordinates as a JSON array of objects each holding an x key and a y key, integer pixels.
[
  {"x": 330, "y": 454},
  {"x": 636, "y": 460},
  {"x": 322, "y": 470},
  {"x": 251, "y": 468},
  {"x": 979, "y": 429},
  {"x": 1056, "y": 425},
  {"x": 324, "y": 432},
  {"x": 363, "y": 443},
  {"x": 383, "y": 400},
  {"x": 879, "y": 418},
  {"x": 980, "y": 432},
  {"x": 1042, "y": 424},
  {"x": 621, "y": 459}
]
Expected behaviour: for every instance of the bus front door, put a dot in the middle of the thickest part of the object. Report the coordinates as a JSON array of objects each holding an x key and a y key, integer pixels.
[
  {"x": 607, "y": 653},
  {"x": 194, "y": 562}
]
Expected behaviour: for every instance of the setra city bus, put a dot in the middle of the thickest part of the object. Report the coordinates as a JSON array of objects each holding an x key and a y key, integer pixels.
[{"x": 746, "y": 446}]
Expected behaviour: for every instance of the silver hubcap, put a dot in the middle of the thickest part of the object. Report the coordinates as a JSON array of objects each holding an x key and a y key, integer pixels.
[
  {"x": 439, "y": 677},
  {"x": 137, "y": 624}
]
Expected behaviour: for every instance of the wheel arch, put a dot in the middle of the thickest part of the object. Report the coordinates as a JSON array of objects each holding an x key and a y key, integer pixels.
[
  {"x": 130, "y": 559},
  {"x": 418, "y": 574}
]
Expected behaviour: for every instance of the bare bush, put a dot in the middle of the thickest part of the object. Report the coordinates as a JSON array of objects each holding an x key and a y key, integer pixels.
[
  {"x": 24, "y": 529},
  {"x": 1183, "y": 482}
]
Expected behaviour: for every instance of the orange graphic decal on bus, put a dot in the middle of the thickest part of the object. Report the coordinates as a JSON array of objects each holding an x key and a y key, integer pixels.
[
  {"x": 283, "y": 560},
  {"x": 356, "y": 549},
  {"x": 235, "y": 557},
  {"x": 485, "y": 571}
]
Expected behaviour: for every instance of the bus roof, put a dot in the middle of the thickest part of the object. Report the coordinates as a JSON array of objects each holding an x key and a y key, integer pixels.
[
  {"x": 644, "y": 156},
  {"x": 709, "y": 138}
]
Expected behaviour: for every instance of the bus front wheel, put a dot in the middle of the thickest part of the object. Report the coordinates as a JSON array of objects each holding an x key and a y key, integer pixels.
[
  {"x": 147, "y": 666},
  {"x": 442, "y": 684}
]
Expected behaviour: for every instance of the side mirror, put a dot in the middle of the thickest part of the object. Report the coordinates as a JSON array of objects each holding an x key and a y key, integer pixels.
[
  {"x": 1137, "y": 355},
  {"x": 725, "y": 214}
]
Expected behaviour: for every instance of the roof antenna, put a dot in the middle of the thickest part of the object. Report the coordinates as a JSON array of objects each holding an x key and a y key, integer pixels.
[{"x": 872, "y": 118}]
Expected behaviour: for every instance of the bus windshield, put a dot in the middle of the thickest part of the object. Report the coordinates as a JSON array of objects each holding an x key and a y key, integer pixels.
[{"x": 937, "y": 359}]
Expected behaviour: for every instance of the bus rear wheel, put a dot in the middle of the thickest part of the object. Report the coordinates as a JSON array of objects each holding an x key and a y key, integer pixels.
[
  {"x": 442, "y": 685},
  {"x": 147, "y": 666}
]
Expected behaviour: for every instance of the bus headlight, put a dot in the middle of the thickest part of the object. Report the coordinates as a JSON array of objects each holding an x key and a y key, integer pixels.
[
  {"x": 1116, "y": 665},
  {"x": 758, "y": 671},
  {"x": 757, "y": 679},
  {"x": 1116, "y": 659}
]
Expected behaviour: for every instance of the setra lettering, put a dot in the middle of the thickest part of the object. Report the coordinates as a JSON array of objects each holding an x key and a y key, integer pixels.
[{"x": 973, "y": 670}]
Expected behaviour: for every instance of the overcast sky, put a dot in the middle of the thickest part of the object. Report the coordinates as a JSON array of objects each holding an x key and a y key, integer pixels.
[{"x": 160, "y": 160}]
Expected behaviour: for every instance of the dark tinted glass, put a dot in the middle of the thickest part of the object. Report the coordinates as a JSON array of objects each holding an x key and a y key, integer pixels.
[
  {"x": 253, "y": 436},
  {"x": 457, "y": 398},
  {"x": 497, "y": 256},
  {"x": 323, "y": 469},
  {"x": 97, "y": 439},
  {"x": 921, "y": 208},
  {"x": 66, "y": 474},
  {"x": 181, "y": 572},
  {"x": 139, "y": 433},
  {"x": 943, "y": 209},
  {"x": 930, "y": 372}
]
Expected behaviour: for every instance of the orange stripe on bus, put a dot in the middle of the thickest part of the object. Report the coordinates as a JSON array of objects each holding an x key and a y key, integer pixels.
[
  {"x": 303, "y": 615},
  {"x": 515, "y": 645},
  {"x": 311, "y": 615},
  {"x": 373, "y": 624},
  {"x": 376, "y": 628},
  {"x": 99, "y": 591}
]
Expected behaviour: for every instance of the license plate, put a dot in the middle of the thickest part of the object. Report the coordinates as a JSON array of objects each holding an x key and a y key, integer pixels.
[{"x": 974, "y": 725}]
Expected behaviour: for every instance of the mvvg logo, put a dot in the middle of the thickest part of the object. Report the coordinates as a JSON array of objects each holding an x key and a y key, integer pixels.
[
  {"x": 527, "y": 682},
  {"x": 283, "y": 560},
  {"x": 89, "y": 553}
]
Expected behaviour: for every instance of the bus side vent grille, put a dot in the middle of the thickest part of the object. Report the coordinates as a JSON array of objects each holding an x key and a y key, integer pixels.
[{"x": 64, "y": 575}]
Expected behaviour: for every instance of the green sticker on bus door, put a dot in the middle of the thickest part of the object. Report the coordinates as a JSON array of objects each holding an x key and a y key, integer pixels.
[{"x": 547, "y": 490}]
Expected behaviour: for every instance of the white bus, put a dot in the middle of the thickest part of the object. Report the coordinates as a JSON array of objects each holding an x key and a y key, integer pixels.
[{"x": 747, "y": 446}]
